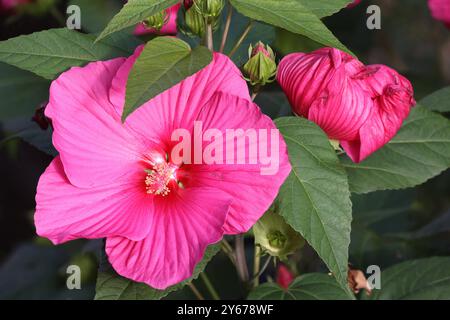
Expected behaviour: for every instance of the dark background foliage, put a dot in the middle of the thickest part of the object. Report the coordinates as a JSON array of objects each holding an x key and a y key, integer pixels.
[{"x": 388, "y": 227}]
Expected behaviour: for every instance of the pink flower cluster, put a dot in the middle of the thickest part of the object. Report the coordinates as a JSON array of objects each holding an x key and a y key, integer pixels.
[{"x": 361, "y": 106}]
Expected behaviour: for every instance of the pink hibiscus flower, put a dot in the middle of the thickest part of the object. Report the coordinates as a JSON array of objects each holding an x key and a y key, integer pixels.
[
  {"x": 440, "y": 10},
  {"x": 170, "y": 28},
  {"x": 118, "y": 180},
  {"x": 361, "y": 106}
]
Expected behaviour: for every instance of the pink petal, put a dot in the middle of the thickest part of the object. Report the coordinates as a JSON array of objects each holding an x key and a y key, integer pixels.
[
  {"x": 94, "y": 146},
  {"x": 178, "y": 106},
  {"x": 342, "y": 107},
  {"x": 65, "y": 212},
  {"x": 182, "y": 230},
  {"x": 251, "y": 191},
  {"x": 392, "y": 96}
]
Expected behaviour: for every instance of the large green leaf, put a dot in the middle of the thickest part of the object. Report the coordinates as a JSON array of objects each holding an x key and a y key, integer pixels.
[
  {"x": 133, "y": 12},
  {"x": 315, "y": 199},
  {"x": 420, "y": 151},
  {"x": 423, "y": 279},
  {"x": 312, "y": 286},
  {"x": 50, "y": 52},
  {"x": 291, "y": 15},
  {"x": 111, "y": 286},
  {"x": 21, "y": 92},
  {"x": 438, "y": 101},
  {"x": 324, "y": 8},
  {"x": 164, "y": 62}
]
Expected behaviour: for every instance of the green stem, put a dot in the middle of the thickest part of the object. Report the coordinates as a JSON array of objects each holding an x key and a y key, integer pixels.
[
  {"x": 212, "y": 291},
  {"x": 195, "y": 291},
  {"x": 241, "y": 39},
  {"x": 241, "y": 263},
  {"x": 228, "y": 250},
  {"x": 209, "y": 35},
  {"x": 226, "y": 29},
  {"x": 256, "y": 265}
]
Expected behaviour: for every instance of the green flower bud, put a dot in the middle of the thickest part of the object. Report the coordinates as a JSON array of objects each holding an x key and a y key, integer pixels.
[
  {"x": 157, "y": 21},
  {"x": 261, "y": 67},
  {"x": 195, "y": 22},
  {"x": 209, "y": 9},
  {"x": 275, "y": 236}
]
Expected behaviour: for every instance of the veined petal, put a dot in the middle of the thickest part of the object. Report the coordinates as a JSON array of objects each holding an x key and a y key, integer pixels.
[
  {"x": 252, "y": 186},
  {"x": 178, "y": 106},
  {"x": 182, "y": 230},
  {"x": 65, "y": 212},
  {"x": 94, "y": 146}
]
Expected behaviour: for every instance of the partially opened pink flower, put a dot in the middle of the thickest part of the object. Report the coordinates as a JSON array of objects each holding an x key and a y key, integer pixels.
[
  {"x": 362, "y": 107},
  {"x": 440, "y": 10},
  {"x": 169, "y": 28},
  {"x": 119, "y": 181}
]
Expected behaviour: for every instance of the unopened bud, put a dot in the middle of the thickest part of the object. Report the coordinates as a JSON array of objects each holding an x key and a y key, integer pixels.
[
  {"x": 157, "y": 21},
  {"x": 210, "y": 9},
  {"x": 261, "y": 67},
  {"x": 195, "y": 22},
  {"x": 275, "y": 236}
]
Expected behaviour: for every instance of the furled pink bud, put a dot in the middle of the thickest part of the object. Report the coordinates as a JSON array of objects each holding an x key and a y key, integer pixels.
[
  {"x": 261, "y": 67},
  {"x": 163, "y": 23},
  {"x": 440, "y": 10},
  {"x": 362, "y": 107},
  {"x": 284, "y": 277},
  {"x": 354, "y": 4}
]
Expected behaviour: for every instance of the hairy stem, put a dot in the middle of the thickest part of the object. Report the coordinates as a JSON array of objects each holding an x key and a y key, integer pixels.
[
  {"x": 241, "y": 39},
  {"x": 226, "y": 29},
  {"x": 241, "y": 263},
  {"x": 256, "y": 265},
  {"x": 195, "y": 291},
  {"x": 212, "y": 291}
]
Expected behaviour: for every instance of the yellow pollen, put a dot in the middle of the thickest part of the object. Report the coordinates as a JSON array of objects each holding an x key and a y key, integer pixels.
[{"x": 157, "y": 179}]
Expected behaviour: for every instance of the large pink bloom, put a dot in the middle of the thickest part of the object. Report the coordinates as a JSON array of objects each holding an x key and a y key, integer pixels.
[
  {"x": 170, "y": 28},
  {"x": 157, "y": 223},
  {"x": 362, "y": 107},
  {"x": 440, "y": 9}
]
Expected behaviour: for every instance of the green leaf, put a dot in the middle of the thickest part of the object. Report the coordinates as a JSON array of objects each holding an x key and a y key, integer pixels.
[
  {"x": 164, "y": 62},
  {"x": 50, "y": 52},
  {"x": 438, "y": 101},
  {"x": 111, "y": 286},
  {"x": 312, "y": 286},
  {"x": 423, "y": 279},
  {"x": 134, "y": 12},
  {"x": 291, "y": 15},
  {"x": 21, "y": 92},
  {"x": 325, "y": 8},
  {"x": 420, "y": 151},
  {"x": 315, "y": 199}
]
